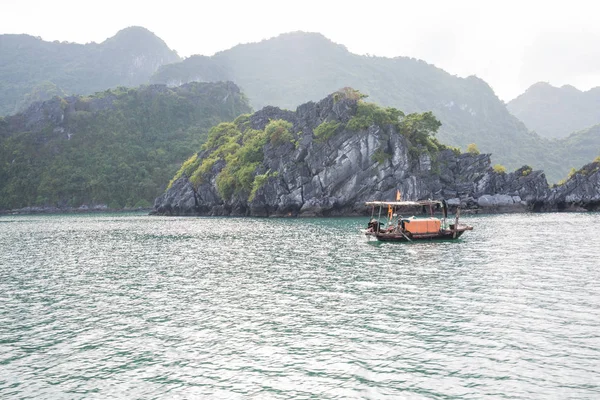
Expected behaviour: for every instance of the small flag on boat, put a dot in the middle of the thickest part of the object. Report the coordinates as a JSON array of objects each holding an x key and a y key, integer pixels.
[{"x": 398, "y": 195}]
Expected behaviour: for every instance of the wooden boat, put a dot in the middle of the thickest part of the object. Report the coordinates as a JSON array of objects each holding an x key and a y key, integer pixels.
[{"x": 402, "y": 229}]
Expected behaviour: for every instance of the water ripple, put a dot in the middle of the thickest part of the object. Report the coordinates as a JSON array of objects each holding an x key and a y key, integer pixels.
[{"x": 113, "y": 306}]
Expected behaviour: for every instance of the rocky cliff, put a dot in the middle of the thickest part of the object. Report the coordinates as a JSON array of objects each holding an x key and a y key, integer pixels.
[{"x": 337, "y": 157}]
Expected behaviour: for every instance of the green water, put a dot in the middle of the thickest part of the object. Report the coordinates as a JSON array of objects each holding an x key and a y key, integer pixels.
[{"x": 131, "y": 306}]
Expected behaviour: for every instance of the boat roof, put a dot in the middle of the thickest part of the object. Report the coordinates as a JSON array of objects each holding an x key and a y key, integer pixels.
[{"x": 417, "y": 203}]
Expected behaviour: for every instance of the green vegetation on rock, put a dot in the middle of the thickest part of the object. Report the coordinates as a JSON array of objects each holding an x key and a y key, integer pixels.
[
  {"x": 499, "y": 168},
  {"x": 348, "y": 93},
  {"x": 368, "y": 114},
  {"x": 259, "y": 181},
  {"x": 472, "y": 149},
  {"x": 239, "y": 152},
  {"x": 278, "y": 132},
  {"x": 241, "y": 149},
  {"x": 187, "y": 169},
  {"x": 572, "y": 173},
  {"x": 326, "y": 130},
  {"x": 421, "y": 128},
  {"x": 381, "y": 156},
  {"x": 526, "y": 170}
]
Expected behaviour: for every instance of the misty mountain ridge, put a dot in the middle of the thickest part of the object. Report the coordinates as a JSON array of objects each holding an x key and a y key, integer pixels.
[
  {"x": 33, "y": 69},
  {"x": 556, "y": 112}
]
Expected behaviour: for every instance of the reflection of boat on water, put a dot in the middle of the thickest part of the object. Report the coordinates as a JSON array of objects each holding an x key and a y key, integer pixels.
[{"x": 403, "y": 229}]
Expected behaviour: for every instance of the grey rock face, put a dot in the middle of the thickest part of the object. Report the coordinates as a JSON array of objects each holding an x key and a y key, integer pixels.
[
  {"x": 579, "y": 193},
  {"x": 180, "y": 199},
  {"x": 337, "y": 176}
]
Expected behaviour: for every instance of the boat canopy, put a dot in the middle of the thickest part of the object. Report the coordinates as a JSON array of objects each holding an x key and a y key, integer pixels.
[{"x": 418, "y": 203}]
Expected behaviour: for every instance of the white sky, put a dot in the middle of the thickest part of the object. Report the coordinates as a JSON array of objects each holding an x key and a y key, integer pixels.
[{"x": 510, "y": 44}]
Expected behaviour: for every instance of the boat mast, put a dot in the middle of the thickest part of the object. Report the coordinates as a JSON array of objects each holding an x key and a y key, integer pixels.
[{"x": 456, "y": 223}]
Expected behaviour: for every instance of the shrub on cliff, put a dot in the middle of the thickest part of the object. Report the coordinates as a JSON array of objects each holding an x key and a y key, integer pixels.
[
  {"x": 472, "y": 149},
  {"x": 499, "y": 168},
  {"x": 278, "y": 132},
  {"x": 368, "y": 114},
  {"x": 326, "y": 130}
]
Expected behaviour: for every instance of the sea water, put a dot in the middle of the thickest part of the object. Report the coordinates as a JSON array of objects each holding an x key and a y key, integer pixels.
[{"x": 131, "y": 306}]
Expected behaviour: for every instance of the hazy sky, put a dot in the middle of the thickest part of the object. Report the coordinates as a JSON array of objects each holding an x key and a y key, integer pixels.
[{"x": 509, "y": 44}]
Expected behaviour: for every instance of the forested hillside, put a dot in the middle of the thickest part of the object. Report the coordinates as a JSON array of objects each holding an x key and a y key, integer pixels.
[
  {"x": 119, "y": 147},
  {"x": 32, "y": 69}
]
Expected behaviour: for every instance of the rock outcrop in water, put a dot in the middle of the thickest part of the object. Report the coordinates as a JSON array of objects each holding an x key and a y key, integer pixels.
[{"x": 334, "y": 175}]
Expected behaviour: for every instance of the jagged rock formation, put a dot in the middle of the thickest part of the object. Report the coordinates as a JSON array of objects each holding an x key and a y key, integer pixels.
[
  {"x": 581, "y": 192},
  {"x": 313, "y": 177}
]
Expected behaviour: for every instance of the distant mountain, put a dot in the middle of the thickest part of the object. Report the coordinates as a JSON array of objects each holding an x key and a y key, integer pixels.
[
  {"x": 556, "y": 112},
  {"x": 117, "y": 148},
  {"x": 193, "y": 69},
  {"x": 293, "y": 68},
  {"x": 579, "y": 147},
  {"x": 33, "y": 69}
]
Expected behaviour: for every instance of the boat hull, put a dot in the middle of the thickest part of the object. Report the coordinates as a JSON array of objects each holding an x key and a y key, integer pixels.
[{"x": 399, "y": 237}]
